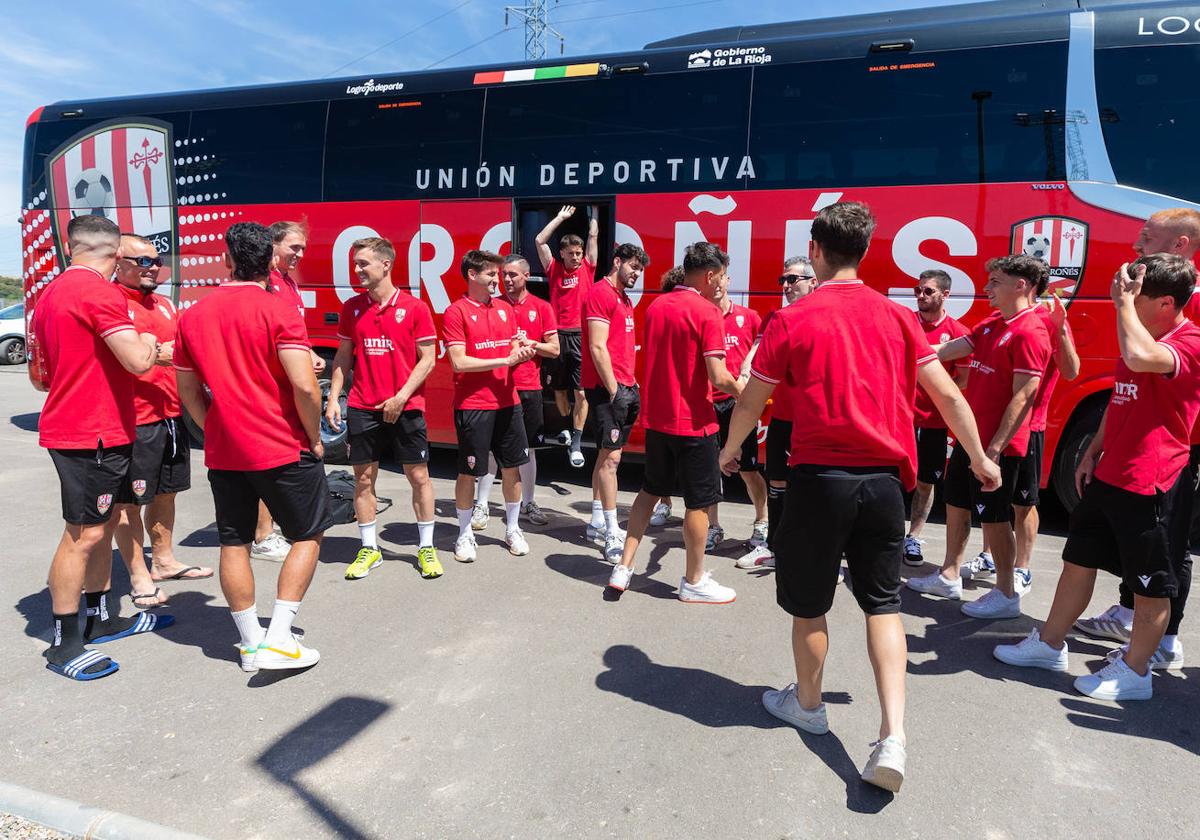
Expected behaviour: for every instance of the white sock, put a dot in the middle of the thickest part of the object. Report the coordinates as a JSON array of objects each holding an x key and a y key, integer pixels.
[
  {"x": 1170, "y": 643},
  {"x": 512, "y": 516},
  {"x": 425, "y": 533},
  {"x": 1125, "y": 615},
  {"x": 248, "y": 625},
  {"x": 280, "y": 630},
  {"x": 464, "y": 521},
  {"x": 528, "y": 473},
  {"x": 610, "y": 521},
  {"x": 597, "y": 514},
  {"x": 483, "y": 485},
  {"x": 367, "y": 533}
]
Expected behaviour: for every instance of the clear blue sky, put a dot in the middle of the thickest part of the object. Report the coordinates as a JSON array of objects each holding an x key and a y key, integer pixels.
[{"x": 71, "y": 49}]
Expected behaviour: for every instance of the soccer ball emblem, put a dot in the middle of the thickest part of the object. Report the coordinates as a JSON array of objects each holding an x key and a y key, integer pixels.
[
  {"x": 1037, "y": 246},
  {"x": 91, "y": 194}
]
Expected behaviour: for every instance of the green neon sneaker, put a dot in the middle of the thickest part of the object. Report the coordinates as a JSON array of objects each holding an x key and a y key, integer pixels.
[
  {"x": 428, "y": 563},
  {"x": 366, "y": 560}
]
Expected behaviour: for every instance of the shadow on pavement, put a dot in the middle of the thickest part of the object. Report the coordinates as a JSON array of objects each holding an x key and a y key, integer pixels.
[
  {"x": 717, "y": 702},
  {"x": 26, "y": 422},
  {"x": 592, "y": 568},
  {"x": 314, "y": 740},
  {"x": 1173, "y": 691}
]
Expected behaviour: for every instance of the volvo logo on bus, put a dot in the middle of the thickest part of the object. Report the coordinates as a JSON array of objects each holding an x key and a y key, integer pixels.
[{"x": 1058, "y": 241}]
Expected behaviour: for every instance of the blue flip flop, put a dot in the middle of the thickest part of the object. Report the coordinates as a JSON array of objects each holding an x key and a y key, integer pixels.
[
  {"x": 145, "y": 623},
  {"x": 74, "y": 669}
]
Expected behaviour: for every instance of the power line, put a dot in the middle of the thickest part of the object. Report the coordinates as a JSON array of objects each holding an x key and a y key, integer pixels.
[
  {"x": 469, "y": 46},
  {"x": 398, "y": 37},
  {"x": 641, "y": 11}
]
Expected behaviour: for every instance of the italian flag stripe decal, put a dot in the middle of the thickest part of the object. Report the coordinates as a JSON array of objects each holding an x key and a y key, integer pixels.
[{"x": 529, "y": 74}]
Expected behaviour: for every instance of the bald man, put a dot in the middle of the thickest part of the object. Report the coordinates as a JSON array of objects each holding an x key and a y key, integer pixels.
[{"x": 1173, "y": 231}]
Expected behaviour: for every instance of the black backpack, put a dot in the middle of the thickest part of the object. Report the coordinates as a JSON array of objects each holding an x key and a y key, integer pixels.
[{"x": 341, "y": 497}]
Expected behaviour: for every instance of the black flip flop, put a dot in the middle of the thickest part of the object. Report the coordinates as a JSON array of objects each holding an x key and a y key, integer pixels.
[
  {"x": 182, "y": 574},
  {"x": 133, "y": 596}
]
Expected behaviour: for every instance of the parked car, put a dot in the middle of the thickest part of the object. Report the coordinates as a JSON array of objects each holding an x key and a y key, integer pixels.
[{"x": 12, "y": 334}]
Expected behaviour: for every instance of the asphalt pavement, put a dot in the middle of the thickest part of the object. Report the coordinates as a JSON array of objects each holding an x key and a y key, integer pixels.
[{"x": 511, "y": 699}]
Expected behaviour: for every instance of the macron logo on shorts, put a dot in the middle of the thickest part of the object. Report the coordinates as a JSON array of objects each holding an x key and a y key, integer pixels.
[{"x": 1145, "y": 579}]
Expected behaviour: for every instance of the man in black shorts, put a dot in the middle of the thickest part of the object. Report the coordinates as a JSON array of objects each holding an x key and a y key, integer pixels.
[
  {"x": 262, "y": 439},
  {"x": 1133, "y": 515},
  {"x": 609, "y": 381},
  {"x": 850, "y": 462},
  {"x": 84, "y": 336},
  {"x": 685, "y": 359},
  {"x": 161, "y": 463},
  {"x": 387, "y": 337},
  {"x": 482, "y": 343},
  {"x": 796, "y": 281},
  {"x": 570, "y": 277}
]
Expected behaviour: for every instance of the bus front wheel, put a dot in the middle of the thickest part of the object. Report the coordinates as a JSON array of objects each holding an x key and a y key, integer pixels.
[{"x": 1070, "y": 451}]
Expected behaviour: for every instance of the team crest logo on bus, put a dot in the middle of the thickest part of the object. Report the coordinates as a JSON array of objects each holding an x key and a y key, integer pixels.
[
  {"x": 400, "y": 313},
  {"x": 139, "y": 487},
  {"x": 104, "y": 502},
  {"x": 1061, "y": 243},
  {"x": 123, "y": 170}
]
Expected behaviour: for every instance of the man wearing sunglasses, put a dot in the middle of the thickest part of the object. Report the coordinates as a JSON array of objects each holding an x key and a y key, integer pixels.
[
  {"x": 796, "y": 281},
  {"x": 933, "y": 287},
  {"x": 161, "y": 461}
]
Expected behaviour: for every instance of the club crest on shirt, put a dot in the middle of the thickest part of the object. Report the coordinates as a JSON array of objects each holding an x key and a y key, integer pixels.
[
  {"x": 475, "y": 318},
  {"x": 1061, "y": 243},
  {"x": 944, "y": 338},
  {"x": 139, "y": 487},
  {"x": 166, "y": 312},
  {"x": 400, "y": 313},
  {"x": 532, "y": 316},
  {"x": 503, "y": 315},
  {"x": 740, "y": 320},
  {"x": 130, "y": 314},
  {"x": 1004, "y": 339},
  {"x": 104, "y": 502}
]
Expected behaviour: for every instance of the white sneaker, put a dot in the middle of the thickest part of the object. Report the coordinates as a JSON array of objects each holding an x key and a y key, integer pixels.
[
  {"x": 1163, "y": 658},
  {"x": 1117, "y": 681},
  {"x": 912, "y": 552},
  {"x": 784, "y": 705},
  {"x": 1108, "y": 625},
  {"x": 517, "y": 546},
  {"x": 575, "y": 458},
  {"x": 662, "y": 513},
  {"x": 994, "y": 604},
  {"x": 564, "y": 437},
  {"x": 464, "y": 549},
  {"x": 595, "y": 534},
  {"x": 705, "y": 591},
  {"x": 620, "y": 578},
  {"x": 980, "y": 565},
  {"x": 935, "y": 584},
  {"x": 715, "y": 536},
  {"x": 757, "y": 558},
  {"x": 1022, "y": 581},
  {"x": 1032, "y": 652},
  {"x": 246, "y": 656},
  {"x": 480, "y": 516},
  {"x": 285, "y": 659},
  {"x": 273, "y": 547},
  {"x": 758, "y": 536},
  {"x": 534, "y": 514},
  {"x": 614, "y": 548},
  {"x": 885, "y": 767}
]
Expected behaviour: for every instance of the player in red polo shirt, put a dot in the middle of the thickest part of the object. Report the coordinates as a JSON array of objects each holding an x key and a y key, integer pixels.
[
  {"x": 797, "y": 281},
  {"x": 536, "y": 328},
  {"x": 743, "y": 328},
  {"x": 89, "y": 348},
  {"x": 1132, "y": 518},
  {"x": 570, "y": 277},
  {"x": 607, "y": 377},
  {"x": 483, "y": 345},
  {"x": 851, "y": 460},
  {"x": 387, "y": 337},
  {"x": 262, "y": 438},
  {"x": 932, "y": 289},
  {"x": 1064, "y": 363},
  {"x": 161, "y": 464},
  {"x": 1174, "y": 231},
  {"x": 685, "y": 358},
  {"x": 1009, "y": 352}
]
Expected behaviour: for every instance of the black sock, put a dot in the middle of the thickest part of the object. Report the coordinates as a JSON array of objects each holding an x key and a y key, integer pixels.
[
  {"x": 103, "y": 616},
  {"x": 576, "y": 438},
  {"x": 67, "y": 643},
  {"x": 774, "y": 513}
]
